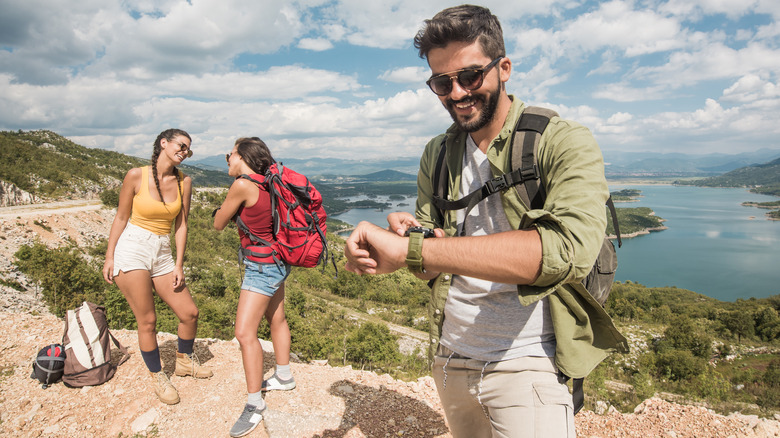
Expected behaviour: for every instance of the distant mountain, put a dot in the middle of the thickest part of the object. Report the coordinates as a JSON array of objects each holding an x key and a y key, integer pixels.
[
  {"x": 756, "y": 175},
  {"x": 317, "y": 167},
  {"x": 49, "y": 166},
  {"x": 679, "y": 164},
  {"x": 618, "y": 164},
  {"x": 387, "y": 175}
]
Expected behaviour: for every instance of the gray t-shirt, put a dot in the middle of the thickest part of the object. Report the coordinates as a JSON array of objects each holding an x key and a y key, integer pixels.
[{"x": 484, "y": 320}]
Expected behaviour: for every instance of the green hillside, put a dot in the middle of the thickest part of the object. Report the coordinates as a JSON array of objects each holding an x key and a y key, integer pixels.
[
  {"x": 50, "y": 166},
  {"x": 762, "y": 178}
]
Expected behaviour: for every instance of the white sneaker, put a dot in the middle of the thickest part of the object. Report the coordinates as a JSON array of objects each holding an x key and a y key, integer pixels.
[{"x": 274, "y": 383}]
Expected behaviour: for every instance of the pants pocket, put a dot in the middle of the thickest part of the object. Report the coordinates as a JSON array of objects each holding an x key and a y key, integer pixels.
[{"x": 554, "y": 410}]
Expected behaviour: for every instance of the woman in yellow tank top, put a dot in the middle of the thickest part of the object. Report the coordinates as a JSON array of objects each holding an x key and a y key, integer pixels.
[{"x": 138, "y": 258}]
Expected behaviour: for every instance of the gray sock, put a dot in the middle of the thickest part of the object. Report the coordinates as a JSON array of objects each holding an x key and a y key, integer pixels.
[
  {"x": 256, "y": 399},
  {"x": 283, "y": 372}
]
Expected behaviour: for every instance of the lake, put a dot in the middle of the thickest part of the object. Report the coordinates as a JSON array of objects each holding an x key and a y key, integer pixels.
[{"x": 713, "y": 246}]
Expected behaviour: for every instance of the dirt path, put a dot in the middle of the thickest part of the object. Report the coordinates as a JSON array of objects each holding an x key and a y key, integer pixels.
[{"x": 49, "y": 208}]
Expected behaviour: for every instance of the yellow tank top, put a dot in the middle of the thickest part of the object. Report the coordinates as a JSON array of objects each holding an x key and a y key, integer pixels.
[{"x": 150, "y": 214}]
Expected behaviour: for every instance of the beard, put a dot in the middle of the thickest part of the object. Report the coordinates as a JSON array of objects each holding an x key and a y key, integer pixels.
[{"x": 489, "y": 106}]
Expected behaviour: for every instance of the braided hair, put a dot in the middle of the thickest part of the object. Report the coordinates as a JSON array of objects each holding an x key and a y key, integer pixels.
[{"x": 168, "y": 134}]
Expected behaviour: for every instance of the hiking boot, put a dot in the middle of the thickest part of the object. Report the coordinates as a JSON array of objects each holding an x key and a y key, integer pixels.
[
  {"x": 248, "y": 420},
  {"x": 189, "y": 365},
  {"x": 274, "y": 383},
  {"x": 164, "y": 388}
]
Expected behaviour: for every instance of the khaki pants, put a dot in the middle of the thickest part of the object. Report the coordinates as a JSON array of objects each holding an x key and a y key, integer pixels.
[{"x": 515, "y": 398}]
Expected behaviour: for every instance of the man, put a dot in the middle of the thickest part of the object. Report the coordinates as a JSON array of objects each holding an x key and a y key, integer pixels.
[{"x": 510, "y": 320}]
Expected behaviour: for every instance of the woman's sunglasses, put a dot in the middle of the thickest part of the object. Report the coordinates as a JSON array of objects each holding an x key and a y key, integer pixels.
[
  {"x": 183, "y": 147},
  {"x": 468, "y": 79}
]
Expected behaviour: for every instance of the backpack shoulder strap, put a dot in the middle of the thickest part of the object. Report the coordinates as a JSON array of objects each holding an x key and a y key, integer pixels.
[
  {"x": 525, "y": 149},
  {"x": 440, "y": 175},
  {"x": 523, "y": 162},
  {"x": 245, "y": 176}
]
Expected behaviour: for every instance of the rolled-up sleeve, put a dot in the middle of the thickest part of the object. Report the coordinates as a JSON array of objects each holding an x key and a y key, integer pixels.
[
  {"x": 427, "y": 214},
  {"x": 572, "y": 223}
]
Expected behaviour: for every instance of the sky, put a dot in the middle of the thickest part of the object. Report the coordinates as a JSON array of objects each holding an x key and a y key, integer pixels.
[{"x": 341, "y": 79}]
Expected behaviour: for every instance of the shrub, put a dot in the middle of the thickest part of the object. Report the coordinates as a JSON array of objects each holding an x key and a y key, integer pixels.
[
  {"x": 110, "y": 198},
  {"x": 683, "y": 334},
  {"x": 372, "y": 344},
  {"x": 679, "y": 365}
]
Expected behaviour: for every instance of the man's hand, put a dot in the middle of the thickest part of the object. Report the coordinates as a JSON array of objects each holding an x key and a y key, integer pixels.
[
  {"x": 399, "y": 222},
  {"x": 373, "y": 250}
]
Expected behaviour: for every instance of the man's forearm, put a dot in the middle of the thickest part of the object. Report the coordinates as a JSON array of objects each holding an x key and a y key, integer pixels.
[{"x": 513, "y": 257}]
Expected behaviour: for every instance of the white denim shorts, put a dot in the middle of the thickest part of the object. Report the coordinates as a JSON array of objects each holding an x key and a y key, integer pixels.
[{"x": 138, "y": 248}]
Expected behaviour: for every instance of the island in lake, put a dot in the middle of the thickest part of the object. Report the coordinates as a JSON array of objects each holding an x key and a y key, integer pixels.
[
  {"x": 773, "y": 215},
  {"x": 633, "y": 221}
]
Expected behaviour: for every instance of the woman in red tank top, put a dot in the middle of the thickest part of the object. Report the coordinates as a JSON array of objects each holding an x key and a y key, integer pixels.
[{"x": 262, "y": 290}]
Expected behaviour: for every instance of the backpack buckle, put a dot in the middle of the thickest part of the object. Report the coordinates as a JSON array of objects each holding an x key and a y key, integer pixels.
[
  {"x": 497, "y": 184},
  {"x": 531, "y": 172}
]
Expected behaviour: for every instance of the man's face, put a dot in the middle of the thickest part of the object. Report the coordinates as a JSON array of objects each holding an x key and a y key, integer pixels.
[{"x": 475, "y": 109}]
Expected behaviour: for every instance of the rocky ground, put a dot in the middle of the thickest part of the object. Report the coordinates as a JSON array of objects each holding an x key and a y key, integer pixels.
[{"x": 328, "y": 402}]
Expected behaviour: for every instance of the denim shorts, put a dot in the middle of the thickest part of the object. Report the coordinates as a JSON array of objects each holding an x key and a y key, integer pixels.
[
  {"x": 264, "y": 278},
  {"x": 138, "y": 248}
]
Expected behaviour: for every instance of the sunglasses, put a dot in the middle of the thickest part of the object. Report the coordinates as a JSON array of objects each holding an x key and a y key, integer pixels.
[
  {"x": 183, "y": 147},
  {"x": 227, "y": 157},
  {"x": 468, "y": 78}
]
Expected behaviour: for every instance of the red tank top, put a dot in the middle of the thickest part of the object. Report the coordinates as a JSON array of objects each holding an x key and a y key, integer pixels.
[{"x": 259, "y": 221}]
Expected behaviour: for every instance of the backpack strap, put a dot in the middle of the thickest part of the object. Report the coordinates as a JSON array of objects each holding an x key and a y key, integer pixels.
[
  {"x": 122, "y": 348},
  {"x": 525, "y": 149},
  {"x": 255, "y": 239}
]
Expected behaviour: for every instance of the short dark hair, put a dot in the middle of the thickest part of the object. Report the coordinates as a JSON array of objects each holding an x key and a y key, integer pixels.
[
  {"x": 255, "y": 153},
  {"x": 465, "y": 23}
]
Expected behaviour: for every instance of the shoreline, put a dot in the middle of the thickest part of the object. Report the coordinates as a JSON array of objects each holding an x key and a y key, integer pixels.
[{"x": 637, "y": 233}]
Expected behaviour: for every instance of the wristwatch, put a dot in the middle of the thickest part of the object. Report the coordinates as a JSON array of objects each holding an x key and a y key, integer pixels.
[{"x": 414, "y": 259}]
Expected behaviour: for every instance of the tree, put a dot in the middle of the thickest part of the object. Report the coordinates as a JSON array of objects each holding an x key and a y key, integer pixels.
[
  {"x": 684, "y": 334},
  {"x": 740, "y": 323},
  {"x": 371, "y": 344},
  {"x": 679, "y": 364}
]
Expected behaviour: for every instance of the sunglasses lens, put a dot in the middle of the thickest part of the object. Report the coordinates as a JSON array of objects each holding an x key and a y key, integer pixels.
[
  {"x": 441, "y": 85},
  {"x": 470, "y": 79}
]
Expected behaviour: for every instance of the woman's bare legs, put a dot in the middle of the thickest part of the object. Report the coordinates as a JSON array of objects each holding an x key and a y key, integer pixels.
[
  {"x": 251, "y": 308},
  {"x": 136, "y": 286},
  {"x": 280, "y": 330}
]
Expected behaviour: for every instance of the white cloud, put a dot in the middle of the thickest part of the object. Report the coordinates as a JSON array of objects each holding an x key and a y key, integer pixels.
[
  {"x": 712, "y": 61},
  {"x": 751, "y": 88},
  {"x": 114, "y": 73},
  {"x": 287, "y": 82},
  {"x": 315, "y": 44},
  {"x": 406, "y": 75}
]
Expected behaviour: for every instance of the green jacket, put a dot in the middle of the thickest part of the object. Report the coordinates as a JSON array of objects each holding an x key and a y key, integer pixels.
[{"x": 571, "y": 227}]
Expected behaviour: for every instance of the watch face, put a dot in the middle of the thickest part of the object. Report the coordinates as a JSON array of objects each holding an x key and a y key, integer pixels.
[{"x": 427, "y": 232}]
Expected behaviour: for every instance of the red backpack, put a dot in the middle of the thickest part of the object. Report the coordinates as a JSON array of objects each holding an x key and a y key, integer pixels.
[{"x": 298, "y": 220}]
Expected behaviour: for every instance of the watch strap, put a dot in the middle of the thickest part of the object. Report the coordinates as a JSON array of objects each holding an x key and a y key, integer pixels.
[{"x": 414, "y": 260}]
